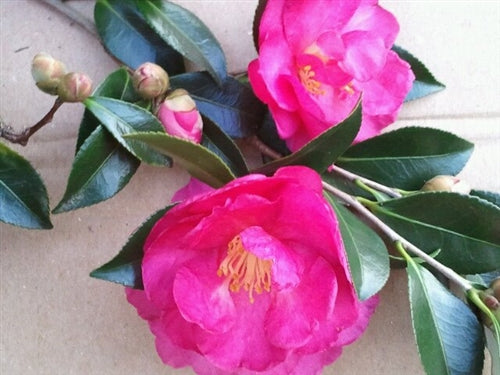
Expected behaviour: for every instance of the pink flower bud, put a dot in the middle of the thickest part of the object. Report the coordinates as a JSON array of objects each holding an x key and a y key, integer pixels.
[
  {"x": 447, "y": 183},
  {"x": 150, "y": 80},
  {"x": 74, "y": 87},
  {"x": 47, "y": 72},
  {"x": 179, "y": 116}
]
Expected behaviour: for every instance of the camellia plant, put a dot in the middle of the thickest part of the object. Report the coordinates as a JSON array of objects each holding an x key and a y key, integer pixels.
[{"x": 273, "y": 270}]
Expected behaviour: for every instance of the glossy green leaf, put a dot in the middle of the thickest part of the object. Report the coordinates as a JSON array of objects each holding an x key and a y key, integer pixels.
[
  {"x": 366, "y": 252},
  {"x": 233, "y": 106},
  {"x": 448, "y": 334},
  {"x": 127, "y": 36},
  {"x": 102, "y": 167},
  {"x": 185, "y": 32},
  {"x": 465, "y": 228},
  {"x": 121, "y": 118},
  {"x": 200, "y": 162},
  {"x": 125, "y": 267},
  {"x": 23, "y": 198},
  {"x": 220, "y": 144},
  {"x": 425, "y": 83},
  {"x": 117, "y": 85},
  {"x": 406, "y": 158},
  {"x": 323, "y": 150},
  {"x": 487, "y": 195}
]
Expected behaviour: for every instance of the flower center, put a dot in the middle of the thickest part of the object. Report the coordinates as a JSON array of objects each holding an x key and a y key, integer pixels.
[
  {"x": 306, "y": 75},
  {"x": 245, "y": 269}
]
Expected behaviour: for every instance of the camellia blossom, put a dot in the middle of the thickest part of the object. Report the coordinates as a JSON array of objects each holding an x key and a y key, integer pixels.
[
  {"x": 179, "y": 116},
  {"x": 317, "y": 58},
  {"x": 251, "y": 278}
]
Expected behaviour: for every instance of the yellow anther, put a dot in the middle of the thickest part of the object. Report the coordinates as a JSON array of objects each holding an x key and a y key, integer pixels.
[{"x": 246, "y": 270}]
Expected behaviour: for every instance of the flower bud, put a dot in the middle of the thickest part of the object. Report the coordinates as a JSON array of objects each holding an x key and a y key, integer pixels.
[
  {"x": 150, "y": 80},
  {"x": 447, "y": 183},
  {"x": 179, "y": 116},
  {"x": 74, "y": 87},
  {"x": 47, "y": 72}
]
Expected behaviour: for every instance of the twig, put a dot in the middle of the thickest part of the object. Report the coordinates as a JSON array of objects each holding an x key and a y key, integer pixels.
[
  {"x": 23, "y": 137},
  {"x": 353, "y": 177},
  {"x": 395, "y": 237},
  {"x": 72, "y": 14},
  {"x": 263, "y": 148}
]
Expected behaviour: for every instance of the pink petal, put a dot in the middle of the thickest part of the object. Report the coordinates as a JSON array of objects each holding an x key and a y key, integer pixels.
[
  {"x": 365, "y": 55},
  {"x": 286, "y": 268},
  {"x": 193, "y": 188},
  {"x": 305, "y": 308},
  {"x": 372, "y": 18},
  {"x": 305, "y": 20},
  {"x": 202, "y": 297}
]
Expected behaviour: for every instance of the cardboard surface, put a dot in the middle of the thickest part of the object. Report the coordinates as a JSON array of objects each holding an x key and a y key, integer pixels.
[{"x": 54, "y": 319}]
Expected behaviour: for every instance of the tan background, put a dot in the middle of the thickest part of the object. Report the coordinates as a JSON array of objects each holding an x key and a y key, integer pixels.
[{"x": 57, "y": 320}]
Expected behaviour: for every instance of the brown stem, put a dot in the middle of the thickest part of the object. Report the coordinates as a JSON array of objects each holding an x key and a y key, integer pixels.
[
  {"x": 263, "y": 148},
  {"x": 375, "y": 185},
  {"x": 367, "y": 215},
  {"x": 23, "y": 137}
]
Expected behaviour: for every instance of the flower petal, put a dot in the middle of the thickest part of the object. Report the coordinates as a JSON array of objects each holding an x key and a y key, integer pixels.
[
  {"x": 202, "y": 297},
  {"x": 304, "y": 308}
]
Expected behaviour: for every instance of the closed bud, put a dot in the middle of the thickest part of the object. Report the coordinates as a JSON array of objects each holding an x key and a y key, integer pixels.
[
  {"x": 74, "y": 87},
  {"x": 179, "y": 116},
  {"x": 47, "y": 72},
  {"x": 150, "y": 80},
  {"x": 447, "y": 183}
]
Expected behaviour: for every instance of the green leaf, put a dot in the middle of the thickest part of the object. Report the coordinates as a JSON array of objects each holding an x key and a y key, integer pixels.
[
  {"x": 323, "y": 150},
  {"x": 366, "y": 252},
  {"x": 102, "y": 167},
  {"x": 197, "y": 160},
  {"x": 121, "y": 118},
  {"x": 425, "y": 83},
  {"x": 220, "y": 144},
  {"x": 448, "y": 334},
  {"x": 465, "y": 228},
  {"x": 487, "y": 195},
  {"x": 406, "y": 158},
  {"x": 185, "y": 32},
  {"x": 232, "y": 105},
  {"x": 125, "y": 267},
  {"x": 117, "y": 85},
  {"x": 127, "y": 36},
  {"x": 23, "y": 198}
]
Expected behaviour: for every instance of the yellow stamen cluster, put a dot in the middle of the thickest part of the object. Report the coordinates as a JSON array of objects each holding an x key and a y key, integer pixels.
[
  {"x": 245, "y": 270},
  {"x": 306, "y": 75}
]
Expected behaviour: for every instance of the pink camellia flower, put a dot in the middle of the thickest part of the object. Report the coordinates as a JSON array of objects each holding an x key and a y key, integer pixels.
[
  {"x": 179, "y": 116},
  {"x": 315, "y": 60},
  {"x": 251, "y": 278}
]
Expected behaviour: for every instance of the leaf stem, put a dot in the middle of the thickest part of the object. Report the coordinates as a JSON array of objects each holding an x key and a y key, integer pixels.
[
  {"x": 395, "y": 237},
  {"x": 23, "y": 137},
  {"x": 263, "y": 148},
  {"x": 375, "y": 185}
]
